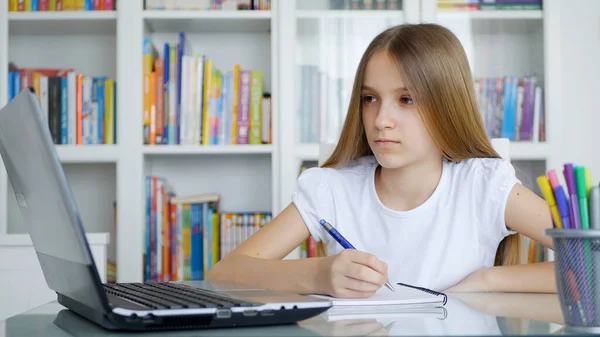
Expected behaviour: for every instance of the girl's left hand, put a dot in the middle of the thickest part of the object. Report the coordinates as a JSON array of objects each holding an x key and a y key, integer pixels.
[{"x": 475, "y": 282}]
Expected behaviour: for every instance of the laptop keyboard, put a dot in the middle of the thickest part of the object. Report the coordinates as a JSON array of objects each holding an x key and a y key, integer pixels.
[{"x": 172, "y": 296}]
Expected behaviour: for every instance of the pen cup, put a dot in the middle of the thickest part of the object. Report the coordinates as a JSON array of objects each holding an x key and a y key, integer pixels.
[{"x": 577, "y": 271}]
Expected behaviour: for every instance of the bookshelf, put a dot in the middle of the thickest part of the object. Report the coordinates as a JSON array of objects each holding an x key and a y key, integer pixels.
[
  {"x": 277, "y": 42},
  {"x": 86, "y": 42}
]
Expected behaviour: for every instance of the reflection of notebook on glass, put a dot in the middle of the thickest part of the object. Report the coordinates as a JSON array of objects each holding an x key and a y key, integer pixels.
[
  {"x": 439, "y": 313},
  {"x": 384, "y": 300}
]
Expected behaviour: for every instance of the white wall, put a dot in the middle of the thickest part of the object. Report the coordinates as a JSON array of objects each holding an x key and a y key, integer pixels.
[{"x": 579, "y": 123}]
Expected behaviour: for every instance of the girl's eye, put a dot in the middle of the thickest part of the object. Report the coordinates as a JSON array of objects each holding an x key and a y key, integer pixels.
[
  {"x": 369, "y": 99},
  {"x": 406, "y": 100}
]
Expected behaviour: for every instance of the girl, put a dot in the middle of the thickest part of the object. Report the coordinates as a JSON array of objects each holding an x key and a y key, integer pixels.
[{"x": 414, "y": 184}]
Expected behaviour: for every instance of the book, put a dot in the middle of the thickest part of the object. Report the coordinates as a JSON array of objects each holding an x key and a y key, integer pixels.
[{"x": 384, "y": 300}]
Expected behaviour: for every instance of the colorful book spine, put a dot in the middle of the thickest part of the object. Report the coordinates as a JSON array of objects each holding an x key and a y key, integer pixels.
[
  {"x": 191, "y": 102},
  {"x": 74, "y": 105},
  {"x": 60, "y": 5}
]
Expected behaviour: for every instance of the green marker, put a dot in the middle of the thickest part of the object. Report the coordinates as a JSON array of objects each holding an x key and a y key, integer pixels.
[
  {"x": 582, "y": 196},
  {"x": 585, "y": 219}
]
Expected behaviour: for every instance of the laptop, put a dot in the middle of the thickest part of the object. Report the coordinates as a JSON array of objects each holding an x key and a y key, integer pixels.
[{"x": 53, "y": 222}]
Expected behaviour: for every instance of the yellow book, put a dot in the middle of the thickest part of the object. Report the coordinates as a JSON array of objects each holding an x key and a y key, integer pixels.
[
  {"x": 146, "y": 114},
  {"x": 235, "y": 95},
  {"x": 12, "y": 5},
  {"x": 79, "y": 5},
  {"x": 208, "y": 74},
  {"x": 109, "y": 112},
  {"x": 27, "y": 5},
  {"x": 35, "y": 79},
  {"x": 215, "y": 243},
  {"x": 68, "y": 5},
  {"x": 150, "y": 53},
  {"x": 187, "y": 243},
  {"x": 256, "y": 94}
]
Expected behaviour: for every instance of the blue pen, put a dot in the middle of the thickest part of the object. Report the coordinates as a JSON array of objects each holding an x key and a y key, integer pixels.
[
  {"x": 342, "y": 241},
  {"x": 561, "y": 199}
]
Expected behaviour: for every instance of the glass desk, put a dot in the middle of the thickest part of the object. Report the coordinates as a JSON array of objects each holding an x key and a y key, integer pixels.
[{"x": 464, "y": 314}]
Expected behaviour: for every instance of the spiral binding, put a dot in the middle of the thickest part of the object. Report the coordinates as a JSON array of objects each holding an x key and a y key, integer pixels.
[{"x": 433, "y": 292}]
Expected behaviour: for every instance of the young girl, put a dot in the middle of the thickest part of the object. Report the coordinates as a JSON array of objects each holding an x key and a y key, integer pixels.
[{"x": 414, "y": 184}]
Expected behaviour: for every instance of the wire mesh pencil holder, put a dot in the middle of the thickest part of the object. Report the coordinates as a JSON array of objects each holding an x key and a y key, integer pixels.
[{"x": 577, "y": 270}]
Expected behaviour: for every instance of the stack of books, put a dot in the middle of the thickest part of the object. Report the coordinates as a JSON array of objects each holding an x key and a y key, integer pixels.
[
  {"x": 512, "y": 107},
  {"x": 189, "y": 101},
  {"x": 80, "y": 109},
  {"x": 205, "y": 5},
  {"x": 60, "y": 5},
  {"x": 366, "y": 4},
  {"x": 186, "y": 235},
  {"x": 486, "y": 5}
]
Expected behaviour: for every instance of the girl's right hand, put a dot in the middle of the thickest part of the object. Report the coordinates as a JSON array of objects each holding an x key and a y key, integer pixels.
[{"x": 352, "y": 274}]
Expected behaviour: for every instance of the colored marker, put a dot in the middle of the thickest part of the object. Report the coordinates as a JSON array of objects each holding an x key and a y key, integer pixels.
[
  {"x": 544, "y": 185},
  {"x": 569, "y": 174},
  {"x": 575, "y": 293},
  {"x": 561, "y": 199},
  {"x": 582, "y": 196},
  {"x": 588, "y": 181},
  {"x": 594, "y": 201},
  {"x": 595, "y": 209}
]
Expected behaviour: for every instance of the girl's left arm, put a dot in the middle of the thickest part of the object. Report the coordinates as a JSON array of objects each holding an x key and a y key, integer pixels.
[{"x": 527, "y": 214}]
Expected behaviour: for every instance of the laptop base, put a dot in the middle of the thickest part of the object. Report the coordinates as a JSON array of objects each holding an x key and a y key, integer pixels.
[{"x": 112, "y": 321}]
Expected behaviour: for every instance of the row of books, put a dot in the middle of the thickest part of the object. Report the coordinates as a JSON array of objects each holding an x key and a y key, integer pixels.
[
  {"x": 186, "y": 235},
  {"x": 534, "y": 251},
  {"x": 60, "y": 5},
  {"x": 189, "y": 101},
  {"x": 80, "y": 109},
  {"x": 322, "y": 103},
  {"x": 309, "y": 247},
  {"x": 111, "y": 263},
  {"x": 225, "y": 5},
  {"x": 366, "y": 4},
  {"x": 483, "y": 5},
  {"x": 512, "y": 107}
]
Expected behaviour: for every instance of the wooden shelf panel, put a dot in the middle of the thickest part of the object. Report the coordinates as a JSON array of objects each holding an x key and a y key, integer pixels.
[
  {"x": 499, "y": 15},
  {"x": 208, "y": 21},
  {"x": 349, "y": 14},
  {"x": 62, "y": 23},
  {"x": 518, "y": 151},
  {"x": 210, "y": 149},
  {"x": 75, "y": 154}
]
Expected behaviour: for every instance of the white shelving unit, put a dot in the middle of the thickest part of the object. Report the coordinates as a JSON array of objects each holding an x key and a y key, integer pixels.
[{"x": 293, "y": 33}]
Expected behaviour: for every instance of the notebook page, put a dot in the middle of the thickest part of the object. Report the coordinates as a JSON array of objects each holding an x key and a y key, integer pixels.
[{"x": 384, "y": 296}]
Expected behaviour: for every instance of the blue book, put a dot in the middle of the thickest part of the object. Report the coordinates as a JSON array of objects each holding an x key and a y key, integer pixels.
[
  {"x": 64, "y": 107},
  {"x": 16, "y": 83},
  {"x": 11, "y": 88},
  {"x": 100, "y": 94},
  {"x": 34, "y": 6},
  {"x": 166, "y": 69},
  {"x": 508, "y": 120}
]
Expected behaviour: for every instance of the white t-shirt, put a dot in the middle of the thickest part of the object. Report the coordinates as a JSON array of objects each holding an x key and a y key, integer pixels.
[{"x": 435, "y": 245}]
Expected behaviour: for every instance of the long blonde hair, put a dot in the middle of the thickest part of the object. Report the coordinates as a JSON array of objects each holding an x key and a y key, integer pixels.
[{"x": 439, "y": 79}]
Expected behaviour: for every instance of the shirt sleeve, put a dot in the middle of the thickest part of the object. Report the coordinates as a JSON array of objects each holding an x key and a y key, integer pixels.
[
  {"x": 313, "y": 198},
  {"x": 495, "y": 180}
]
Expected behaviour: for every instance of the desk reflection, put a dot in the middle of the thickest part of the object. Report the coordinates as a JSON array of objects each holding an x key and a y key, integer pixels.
[{"x": 487, "y": 314}]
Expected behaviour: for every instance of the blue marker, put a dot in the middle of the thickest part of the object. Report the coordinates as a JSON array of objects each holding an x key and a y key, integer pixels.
[{"x": 342, "y": 241}]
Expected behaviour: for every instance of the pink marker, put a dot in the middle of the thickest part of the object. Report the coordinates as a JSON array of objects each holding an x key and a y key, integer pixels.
[{"x": 561, "y": 199}]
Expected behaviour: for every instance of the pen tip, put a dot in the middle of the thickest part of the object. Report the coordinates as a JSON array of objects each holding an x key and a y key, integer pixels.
[{"x": 322, "y": 222}]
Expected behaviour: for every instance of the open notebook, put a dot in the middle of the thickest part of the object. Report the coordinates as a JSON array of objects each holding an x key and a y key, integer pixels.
[{"x": 384, "y": 300}]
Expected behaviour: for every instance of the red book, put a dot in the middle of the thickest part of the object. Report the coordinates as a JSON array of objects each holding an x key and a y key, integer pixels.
[{"x": 43, "y": 6}]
